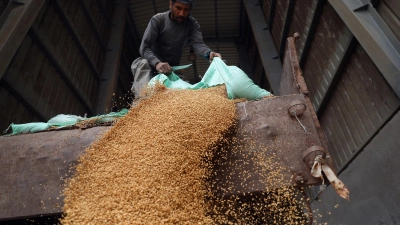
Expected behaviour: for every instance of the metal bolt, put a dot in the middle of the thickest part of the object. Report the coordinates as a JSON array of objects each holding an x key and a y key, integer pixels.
[{"x": 300, "y": 178}]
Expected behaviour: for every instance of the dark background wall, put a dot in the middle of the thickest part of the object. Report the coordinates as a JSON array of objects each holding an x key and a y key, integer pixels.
[{"x": 60, "y": 61}]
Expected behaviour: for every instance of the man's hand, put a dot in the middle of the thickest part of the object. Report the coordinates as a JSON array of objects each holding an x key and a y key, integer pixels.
[
  {"x": 214, "y": 54},
  {"x": 164, "y": 68}
]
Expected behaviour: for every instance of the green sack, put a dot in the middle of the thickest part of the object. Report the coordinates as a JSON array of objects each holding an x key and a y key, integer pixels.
[
  {"x": 28, "y": 128},
  {"x": 61, "y": 121},
  {"x": 238, "y": 84}
]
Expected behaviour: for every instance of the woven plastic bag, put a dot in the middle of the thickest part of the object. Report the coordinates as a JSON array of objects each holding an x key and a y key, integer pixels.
[
  {"x": 62, "y": 120},
  {"x": 238, "y": 84},
  {"x": 28, "y": 127}
]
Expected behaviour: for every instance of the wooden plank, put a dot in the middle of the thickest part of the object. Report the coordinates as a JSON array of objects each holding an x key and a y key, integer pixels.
[
  {"x": 3, "y": 106},
  {"x": 381, "y": 94},
  {"x": 340, "y": 128},
  {"x": 33, "y": 74},
  {"x": 89, "y": 88},
  {"x": 12, "y": 73},
  {"x": 70, "y": 65},
  {"x": 19, "y": 77},
  {"x": 390, "y": 18},
  {"x": 52, "y": 91},
  {"x": 355, "y": 99},
  {"x": 79, "y": 72},
  {"x": 15, "y": 24},
  {"x": 12, "y": 104},
  {"x": 394, "y": 5},
  {"x": 352, "y": 119},
  {"x": 38, "y": 87},
  {"x": 329, "y": 45},
  {"x": 27, "y": 117},
  {"x": 52, "y": 36},
  {"x": 57, "y": 96},
  {"x": 65, "y": 47},
  {"x": 46, "y": 91},
  {"x": 41, "y": 14},
  {"x": 70, "y": 99},
  {"x": 359, "y": 85},
  {"x": 86, "y": 83},
  {"x": 61, "y": 44},
  {"x": 312, "y": 69},
  {"x": 343, "y": 124},
  {"x": 64, "y": 98},
  {"x": 95, "y": 92},
  {"x": 18, "y": 113},
  {"x": 57, "y": 39},
  {"x": 335, "y": 146},
  {"x": 279, "y": 21},
  {"x": 301, "y": 22}
]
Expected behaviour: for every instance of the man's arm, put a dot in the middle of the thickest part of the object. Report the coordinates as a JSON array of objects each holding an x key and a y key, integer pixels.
[
  {"x": 149, "y": 38},
  {"x": 196, "y": 41}
]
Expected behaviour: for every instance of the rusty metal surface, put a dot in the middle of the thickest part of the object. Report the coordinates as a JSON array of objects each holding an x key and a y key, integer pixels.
[
  {"x": 34, "y": 167},
  {"x": 266, "y": 125},
  {"x": 292, "y": 81}
]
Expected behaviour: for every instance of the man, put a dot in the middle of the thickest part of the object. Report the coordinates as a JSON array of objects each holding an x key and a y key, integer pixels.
[{"x": 163, "y": 42}]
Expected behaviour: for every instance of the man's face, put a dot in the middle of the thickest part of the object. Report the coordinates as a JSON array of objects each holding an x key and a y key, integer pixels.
[{"x": 179, "y": 11}]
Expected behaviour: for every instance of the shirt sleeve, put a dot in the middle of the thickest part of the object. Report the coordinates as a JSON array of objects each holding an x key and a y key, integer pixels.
[
  {"x": 196, "y": 41},
  {"x": 149, "y": 38}
]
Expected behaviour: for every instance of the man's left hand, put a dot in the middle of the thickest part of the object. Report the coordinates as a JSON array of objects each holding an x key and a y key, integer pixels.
[{"x": 214, "y": 54}]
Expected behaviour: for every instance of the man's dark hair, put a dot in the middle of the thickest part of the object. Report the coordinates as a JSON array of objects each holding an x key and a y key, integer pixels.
[{"x": 187, "y": 2}]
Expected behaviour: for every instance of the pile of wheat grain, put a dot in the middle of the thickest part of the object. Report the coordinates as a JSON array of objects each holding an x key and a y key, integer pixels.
[
  {"x": 147, "y": 169},
  {"x": 154, "y": 167}
]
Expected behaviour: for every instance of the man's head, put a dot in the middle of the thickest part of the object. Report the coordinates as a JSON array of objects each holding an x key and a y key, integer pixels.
[{"x": 180, "y": 9}]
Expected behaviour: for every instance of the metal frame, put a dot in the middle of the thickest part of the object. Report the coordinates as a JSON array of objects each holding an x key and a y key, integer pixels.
[
  {"x": 374, "y": 36},
  {"x": 75, "y": 38},
  {"x": 265, "y": 44},
  {"x": 15, "y": 22},
  {"x": 34, "y": 34},
  {"x": 344, "y": 59},
  {"x": 112, "y": 60}
]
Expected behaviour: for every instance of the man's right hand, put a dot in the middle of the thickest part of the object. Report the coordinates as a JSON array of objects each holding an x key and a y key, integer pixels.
[{"x": 164, "y": 68}]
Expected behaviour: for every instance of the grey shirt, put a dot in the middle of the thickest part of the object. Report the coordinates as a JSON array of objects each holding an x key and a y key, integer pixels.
[{"x": 164, "y": 39}]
